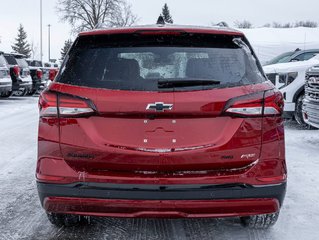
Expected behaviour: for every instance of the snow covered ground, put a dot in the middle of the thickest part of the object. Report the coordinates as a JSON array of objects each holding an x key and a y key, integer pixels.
[{"x": 21, "y": 216}]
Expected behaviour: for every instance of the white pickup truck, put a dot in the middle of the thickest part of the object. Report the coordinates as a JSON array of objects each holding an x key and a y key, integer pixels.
[{"x": 289, "y": 78}]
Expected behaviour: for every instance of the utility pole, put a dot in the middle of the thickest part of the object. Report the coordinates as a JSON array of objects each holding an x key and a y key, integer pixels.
[
  {"x": 41, "y": 49},
  {"x": 49, "y": 37}
]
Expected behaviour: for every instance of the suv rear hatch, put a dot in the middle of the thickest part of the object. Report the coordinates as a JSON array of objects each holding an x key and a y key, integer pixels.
[{"x": 160, "y": 102}]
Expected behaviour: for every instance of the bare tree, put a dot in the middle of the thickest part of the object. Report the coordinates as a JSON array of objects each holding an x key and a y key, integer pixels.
[
  {"x": 243, "y": 24},
  {"x": 123, "y": 16},
  {"x": 276, "y": 25},
  {"x": 34, "y": 49},
  {"x": 309, "y": 24},
  {"x": 91, "y": 14}
]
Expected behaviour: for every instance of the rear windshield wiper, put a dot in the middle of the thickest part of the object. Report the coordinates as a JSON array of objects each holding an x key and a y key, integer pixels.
[{"x": 186, "y": 83}]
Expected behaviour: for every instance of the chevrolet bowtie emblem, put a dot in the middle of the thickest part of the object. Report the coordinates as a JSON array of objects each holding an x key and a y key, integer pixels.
[{"x": 159, "y": 107}]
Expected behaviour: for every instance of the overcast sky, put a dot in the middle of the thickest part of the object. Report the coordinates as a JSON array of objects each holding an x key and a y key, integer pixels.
[{"x": 199, "y": 12}]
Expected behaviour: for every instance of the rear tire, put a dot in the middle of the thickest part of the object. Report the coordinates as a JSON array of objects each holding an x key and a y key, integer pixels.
[
  {"x": 66, "y": 220},
  {"x": 20, "y": 93},
  {"x": 6, "y": 95},
  {"x": 31, "y": 93},
  {"x": 263, "y": 221}
]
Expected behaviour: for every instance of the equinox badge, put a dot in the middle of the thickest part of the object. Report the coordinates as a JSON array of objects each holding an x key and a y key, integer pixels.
[{"x": 159, "y": 107}]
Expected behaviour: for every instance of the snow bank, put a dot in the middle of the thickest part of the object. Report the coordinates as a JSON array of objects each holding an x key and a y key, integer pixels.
[{"x": 270, "y": 42}]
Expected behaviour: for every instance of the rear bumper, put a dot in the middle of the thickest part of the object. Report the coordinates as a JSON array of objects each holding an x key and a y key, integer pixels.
[
  {"x": 122, "y": 200},
  {"x": 288, "y": 114},
  {"x": 5, "y": 89},
  {"x": 38, "y": 84},
  {"x": 22, "y": 85}
]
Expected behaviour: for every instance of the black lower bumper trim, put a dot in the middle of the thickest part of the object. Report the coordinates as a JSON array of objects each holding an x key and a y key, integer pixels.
[
  {"x": 288, "y": 115},
  {"x": 159, "y": 192},
  {"x": 5, "y": 89}
]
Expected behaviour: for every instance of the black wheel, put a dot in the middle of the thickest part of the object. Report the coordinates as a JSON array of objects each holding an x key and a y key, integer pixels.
[
  {"x": 263, "y": 221},
  {"x": 299, "y": 115},
  {"x": 20, "y": 93},
  {"x": 66, "y": 220},
  {"x": 6, "y": 95},
  {"x": 31, "y": 92}
]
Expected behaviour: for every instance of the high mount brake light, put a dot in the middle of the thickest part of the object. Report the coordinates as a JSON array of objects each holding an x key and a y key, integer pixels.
[
  {"x": 174, "y": 33},
  {"x": 260, "y": 104},
  {"x": 53, "y": 105}
]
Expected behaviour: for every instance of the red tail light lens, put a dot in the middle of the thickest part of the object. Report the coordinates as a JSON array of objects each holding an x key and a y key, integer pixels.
[
  {"x": 52, "y": 74},
  {"x": 16, "y": 71},
  {"x": 39, "y": 74},
  {"x": 268, "y": 103},
  {"x": 59, "y": 105},
  {"x": 273, "y": 103}
]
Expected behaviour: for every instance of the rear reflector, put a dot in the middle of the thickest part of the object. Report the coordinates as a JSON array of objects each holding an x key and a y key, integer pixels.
[
  {"x": 54, "y": 104},
  {"x": 260, "y": 104}
]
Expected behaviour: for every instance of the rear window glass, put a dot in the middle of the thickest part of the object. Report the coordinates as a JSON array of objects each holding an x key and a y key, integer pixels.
[
  {"x": 3, "y": 62},
  {"x": 22, "y": 62},
  {"x": 11, "y": 59},
  {"x": 144, "y": 63},
  {"x": 35, "y": 63}
]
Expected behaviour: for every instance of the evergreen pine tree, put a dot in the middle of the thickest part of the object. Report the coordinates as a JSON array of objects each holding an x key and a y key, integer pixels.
[
  {"x": 21, "y": 44},
  {"x": 160, "y": 20},
  {"x": 65, "y": 49},
  {"x": 166, "y": 14}
]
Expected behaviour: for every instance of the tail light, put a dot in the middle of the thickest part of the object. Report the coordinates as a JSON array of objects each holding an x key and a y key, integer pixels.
[
  {"x": 260, "y": 104},
  {"x": 52, "y": 74},
  {"x": 60, "y": 105},
  {"x": 16, "y": 71},
  {"x": 39, "y": 74}
]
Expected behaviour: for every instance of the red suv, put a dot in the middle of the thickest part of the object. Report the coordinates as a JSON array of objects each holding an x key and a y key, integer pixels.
[{"x": 161, "y": 121}]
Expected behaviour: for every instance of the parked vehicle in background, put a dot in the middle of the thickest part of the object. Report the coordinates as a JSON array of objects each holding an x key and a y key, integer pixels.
[
  {"x": 40, "y": 75},
  {"x": 5, "y": 79},
  {"x": 311, "y": 100},
  {"x": 20, "y": 74},
  {"x": 53, "y": 69},
  {"x": 296, "y": 56},
  {"x": 161, "y": 121},
  {"x": 289, "y": 78},
  {"x": 282, "y": 58}
]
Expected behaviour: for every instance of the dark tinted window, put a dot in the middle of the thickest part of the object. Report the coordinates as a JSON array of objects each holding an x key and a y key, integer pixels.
[
  {"x": 309, "y": 55},
  {"x": 140, "y": 63},
  {"x": 282, "y": 58},
  {"x": 304, "y": 56},
  {"x": 11, "y": 60},
  {"x": 34, "y": 63}
]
